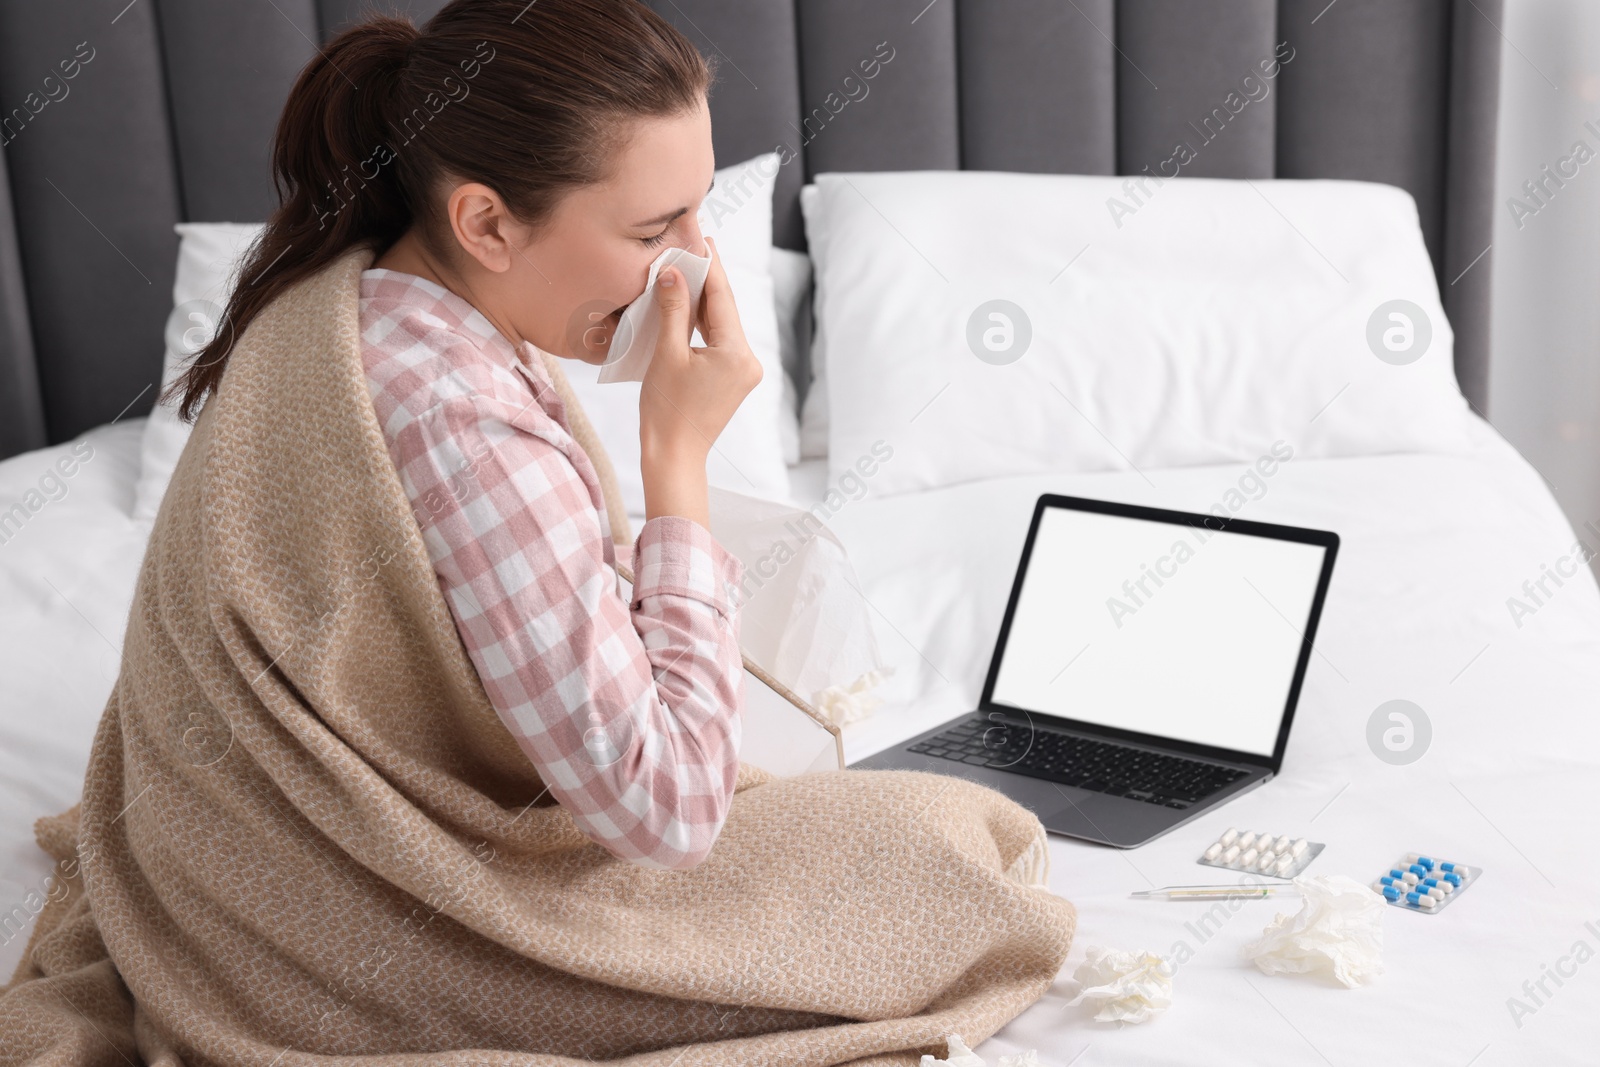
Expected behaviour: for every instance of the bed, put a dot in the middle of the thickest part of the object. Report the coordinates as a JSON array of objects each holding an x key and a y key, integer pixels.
[
  {"x": 1438, "y": 547},
  {"x": 1432, "y": 548}
]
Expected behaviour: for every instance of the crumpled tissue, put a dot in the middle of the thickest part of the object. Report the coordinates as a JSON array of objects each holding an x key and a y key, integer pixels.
[
  {"x": 841, "y": 704},
  {"x": 1337, "y": 931},
  {"x": 801, "y": 616},
  {"x": 1125, "y": 987},
  {"x": 962, "y": 1056},
  {"x": 633, "y": 345}
]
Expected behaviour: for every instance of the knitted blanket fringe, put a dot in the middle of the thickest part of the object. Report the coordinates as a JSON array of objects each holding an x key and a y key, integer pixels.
[{"x": 306, "y": 837}]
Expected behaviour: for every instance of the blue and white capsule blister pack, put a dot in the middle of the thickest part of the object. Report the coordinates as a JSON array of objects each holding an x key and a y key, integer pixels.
[{"x": 1422, "y": 883}]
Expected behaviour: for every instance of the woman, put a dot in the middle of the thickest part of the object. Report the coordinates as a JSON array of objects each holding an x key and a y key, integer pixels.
[
  {"x": 493, "y": 246},
  {"x": 345, "y": 800}
]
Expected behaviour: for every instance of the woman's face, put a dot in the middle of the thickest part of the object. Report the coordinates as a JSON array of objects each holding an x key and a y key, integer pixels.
[{"x": 564, "y": 289}]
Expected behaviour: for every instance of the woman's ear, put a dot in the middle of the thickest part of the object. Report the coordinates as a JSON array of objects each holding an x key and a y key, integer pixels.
[{"x": 479, "y": 219}]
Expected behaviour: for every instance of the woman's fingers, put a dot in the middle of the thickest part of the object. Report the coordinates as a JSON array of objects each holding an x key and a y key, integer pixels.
[
  {"x": 673, "y": 300},
  {"x": 719, "y": 318}
]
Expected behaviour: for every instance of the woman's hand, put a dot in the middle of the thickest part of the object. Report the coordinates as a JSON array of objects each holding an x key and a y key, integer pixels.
[{"x": 689, "y": 393}]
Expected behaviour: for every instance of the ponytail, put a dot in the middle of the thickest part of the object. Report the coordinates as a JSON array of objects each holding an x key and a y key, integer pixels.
[{"x": 517, "y": 96}]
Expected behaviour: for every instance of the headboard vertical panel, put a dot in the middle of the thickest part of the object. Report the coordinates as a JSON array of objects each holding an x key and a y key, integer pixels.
[
  {"x": 1179, "y": 82},
  {"x": 1038, "y": 86},
  {"x": 1475, "y": 48},
  {"x": 756, "y": 99},
  {"x": 1365, "y": 97},
  {"x": 907, "y": 116},
  {"x": 224, "y": 112},
  {"x": 21, "y": 406},
  {"x": 95, "y": 191},
  {"x": 334, "y": 15}
]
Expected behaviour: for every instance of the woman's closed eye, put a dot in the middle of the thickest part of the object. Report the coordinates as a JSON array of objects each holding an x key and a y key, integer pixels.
[{"x": 657, "y": 239}]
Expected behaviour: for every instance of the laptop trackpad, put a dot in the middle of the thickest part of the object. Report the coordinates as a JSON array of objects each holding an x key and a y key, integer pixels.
[
  {"x": 1088, "y": 815},
  {"x": 1061, "y": 808}
]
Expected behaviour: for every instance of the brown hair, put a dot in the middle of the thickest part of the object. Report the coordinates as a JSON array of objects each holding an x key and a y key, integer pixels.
[{"x": 531, "y": 99}]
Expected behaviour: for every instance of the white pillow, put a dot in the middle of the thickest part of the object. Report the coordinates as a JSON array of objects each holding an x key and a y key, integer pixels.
[
  {"x": 209, "y": 254},
  {"x": 1191, "y": 322},
  {"x": 749, "y": 456},
  {"x": 791, "y": 279}
]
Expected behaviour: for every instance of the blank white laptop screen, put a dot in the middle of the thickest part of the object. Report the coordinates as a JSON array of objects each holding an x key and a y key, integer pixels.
[{"x": 1159, "y": 628}]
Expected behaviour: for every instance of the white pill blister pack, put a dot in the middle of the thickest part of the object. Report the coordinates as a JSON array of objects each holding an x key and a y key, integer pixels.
[
  {"x": 1422, "y": 883},
  {"x": 1278, "y": 855}
]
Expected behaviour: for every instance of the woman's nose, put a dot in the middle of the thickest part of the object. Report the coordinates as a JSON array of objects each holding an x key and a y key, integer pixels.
[{"x": 694, "y": 240}]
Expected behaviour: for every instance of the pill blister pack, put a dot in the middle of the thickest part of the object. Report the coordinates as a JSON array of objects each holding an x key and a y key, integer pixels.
[
  {"x": 1422, "y": 883},
  {"x": 1280, "y": 855}
]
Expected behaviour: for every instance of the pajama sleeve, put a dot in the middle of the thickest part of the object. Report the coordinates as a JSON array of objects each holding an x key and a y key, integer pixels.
[{"x": 630, "y": 711}]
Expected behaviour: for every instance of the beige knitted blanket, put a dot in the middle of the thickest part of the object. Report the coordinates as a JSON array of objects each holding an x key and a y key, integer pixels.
[{"x": 306, "y": 838}]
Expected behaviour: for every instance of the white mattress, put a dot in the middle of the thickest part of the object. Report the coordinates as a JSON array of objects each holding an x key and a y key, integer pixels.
[{"x": 1432, "y": 548}]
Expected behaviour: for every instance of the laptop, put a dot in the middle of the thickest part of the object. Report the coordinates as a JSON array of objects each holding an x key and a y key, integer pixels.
[{"x": 1147, "y": 668}]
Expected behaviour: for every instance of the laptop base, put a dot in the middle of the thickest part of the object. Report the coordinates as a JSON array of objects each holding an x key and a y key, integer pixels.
[{"x": 1066, "y": 810}]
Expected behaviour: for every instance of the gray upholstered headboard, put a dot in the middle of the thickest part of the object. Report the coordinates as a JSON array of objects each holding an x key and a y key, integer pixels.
[{"x": 171, "y": 105}]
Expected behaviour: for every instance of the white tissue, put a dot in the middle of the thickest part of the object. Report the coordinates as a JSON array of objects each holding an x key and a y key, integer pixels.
[
  {"x": 1338, "y": 931},
  {"x": 634, "y": 343},
  {"x": 962, "y": 1056},
  {"x": 843, "y": 704},
  {"x": 1125, "y": 987}
]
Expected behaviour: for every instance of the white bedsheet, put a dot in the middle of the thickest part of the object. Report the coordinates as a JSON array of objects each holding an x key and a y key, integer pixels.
[
  {"x": 66, "y": 584},
  {"x": 1432, "y": 548}
]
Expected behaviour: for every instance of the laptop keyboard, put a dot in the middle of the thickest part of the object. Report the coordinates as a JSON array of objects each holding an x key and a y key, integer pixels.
[{"x": 1101, "y": 766}]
